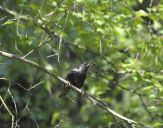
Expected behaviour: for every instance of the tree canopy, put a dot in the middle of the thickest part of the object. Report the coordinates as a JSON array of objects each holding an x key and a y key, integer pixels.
[{"x": 40, "y": 41}]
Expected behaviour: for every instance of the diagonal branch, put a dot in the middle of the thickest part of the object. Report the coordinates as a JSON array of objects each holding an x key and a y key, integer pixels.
[
  {"x": 93, "y": 99},
  {"x": 8, "y": 110},
  {"x": 145, "y": 107}
]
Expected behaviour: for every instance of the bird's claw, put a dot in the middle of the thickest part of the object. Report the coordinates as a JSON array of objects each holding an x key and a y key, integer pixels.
[
  {"x": 68, "y": 84},
  {"x": 82, "y": 92}
]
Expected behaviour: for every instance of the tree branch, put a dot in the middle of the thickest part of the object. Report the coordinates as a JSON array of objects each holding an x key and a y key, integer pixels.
[
  {"x": 8, "y": 110},
  {"x": 14, "y": 14},
  {"x": 93, "y": 99},
  {"x": 145, "y": 107}
]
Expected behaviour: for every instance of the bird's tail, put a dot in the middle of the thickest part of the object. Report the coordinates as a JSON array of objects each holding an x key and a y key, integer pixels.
[{"x": 64, "y": 93}]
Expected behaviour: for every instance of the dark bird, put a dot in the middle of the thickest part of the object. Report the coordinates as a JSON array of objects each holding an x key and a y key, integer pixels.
[{"x": 76, "y": 77}]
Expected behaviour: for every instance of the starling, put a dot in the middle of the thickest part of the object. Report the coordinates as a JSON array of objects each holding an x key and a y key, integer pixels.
[{"x": 76, "y": 77}]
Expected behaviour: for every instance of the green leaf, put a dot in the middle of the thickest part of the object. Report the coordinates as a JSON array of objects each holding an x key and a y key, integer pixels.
[
  {"x": 8, "y": 22},
  {"x": 54, "y": 117},
  {"x": 158, "y": 125},
  {"x": 147, "y": 89},
  {"x": 141, "y": 13}
]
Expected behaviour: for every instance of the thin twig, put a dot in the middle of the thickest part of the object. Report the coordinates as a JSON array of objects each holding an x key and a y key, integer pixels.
[
  {"x": 16, "y": 111},
  {"x": 14, "y": 14},
  {"x": 33, "y": 117},
  {"x": 41, "y": 44},
  {"x": 59, "y": 47},
  {"x": 36, "y": 85},
  {"x": 23, "y": 110},
  {"x": 145, "y": 107},
  {"x": 100, "y": 46},
  {"x": 8, "y": 110},
  {"x": 40, "y": 8}
]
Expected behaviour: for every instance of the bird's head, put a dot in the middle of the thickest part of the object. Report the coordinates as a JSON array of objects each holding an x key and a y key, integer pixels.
[{"x": 84, "y": 66}]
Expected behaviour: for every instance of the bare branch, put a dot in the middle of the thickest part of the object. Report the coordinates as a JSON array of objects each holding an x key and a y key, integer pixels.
[
  {"x": 8, "y": 110},
  {"x": 38, "y": 46},
  {"x": 36, "y": 85},
  {"x": 14, "y": 14},
  {"x": 145, "y": 107}
]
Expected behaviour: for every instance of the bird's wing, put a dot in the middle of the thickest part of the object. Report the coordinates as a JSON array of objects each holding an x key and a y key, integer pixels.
[
  {"x": 75, "y": 78},
  {"x": 70, "y": 74}
]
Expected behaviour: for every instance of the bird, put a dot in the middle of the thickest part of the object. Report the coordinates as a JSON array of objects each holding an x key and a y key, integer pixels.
[{"x": 76, "y": 77}]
